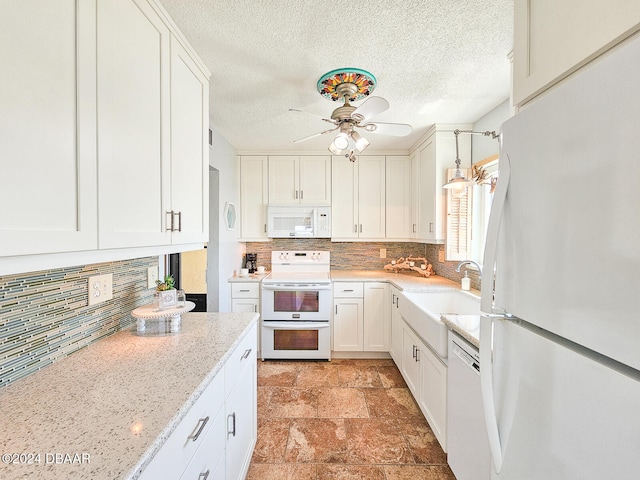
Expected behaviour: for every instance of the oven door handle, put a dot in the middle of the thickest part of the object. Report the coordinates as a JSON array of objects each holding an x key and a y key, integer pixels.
[
  {"x": 295, "y": 325},
  {"x": 296, "y": 287}
]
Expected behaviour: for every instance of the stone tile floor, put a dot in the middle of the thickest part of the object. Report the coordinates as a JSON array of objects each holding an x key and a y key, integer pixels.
[{"x": 344, "y": 419}]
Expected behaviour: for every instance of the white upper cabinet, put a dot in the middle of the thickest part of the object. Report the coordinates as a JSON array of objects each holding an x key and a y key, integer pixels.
[
  {"x": 434, "y": 155},
  {"x": 398, "y": 198},
  {"x": 134, "y": 164},
  {"x": 189, "y": 147},
  {"x": 299, "y": 180},
  {"x": 48, "y": 125},
  {"x": 152, "y": 124},
  {"x": 553, "y": 39},
  {"x": 253, "y": 197},
  {"x": 358, "y": 198}
]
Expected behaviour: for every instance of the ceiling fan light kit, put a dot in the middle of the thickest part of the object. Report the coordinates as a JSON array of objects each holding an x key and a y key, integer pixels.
[{"x": 350, "y": 85}]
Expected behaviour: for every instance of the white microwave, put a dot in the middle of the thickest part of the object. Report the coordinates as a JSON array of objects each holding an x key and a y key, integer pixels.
[{"x": 298, "y": 222}]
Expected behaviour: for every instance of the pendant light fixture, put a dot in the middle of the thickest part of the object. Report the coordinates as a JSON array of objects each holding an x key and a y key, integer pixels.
[{"x": 459, "y": 183}]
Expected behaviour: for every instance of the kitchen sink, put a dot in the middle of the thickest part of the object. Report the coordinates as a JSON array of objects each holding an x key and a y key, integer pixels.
[{"x": 422, "y": 310}]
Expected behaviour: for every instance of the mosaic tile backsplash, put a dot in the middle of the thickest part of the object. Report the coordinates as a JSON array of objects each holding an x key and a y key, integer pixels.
[
  {"x": 44, "y": 316},
  {"x": 362, "y": 255}
]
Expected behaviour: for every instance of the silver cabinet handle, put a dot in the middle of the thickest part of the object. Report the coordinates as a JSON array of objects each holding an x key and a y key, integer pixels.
[
  {"x": 336, "y": 309},
  {"x": 360, "y": 228},
  {"x": 348, "y": 290},
  {"x": 417, "y": 352},
  {"x": 301, "y": 194},
  {"x": 255, "y": 308},
  {"x": 430, "y": 227},
  {"x": 233, "y": 424},
  {"x": 296, "y": 194},
  {"x": 265, "y": 228},
  {"x": 355, "y": 228},
  {"x": 169, "y": 222},
  {"x": 179, "y": 214},
  {"x": 204, "y": 475},
  {"x": 202, "y": 422},
  {"x": 246, "y": 354},
  {"x": 245, "y": 290},
  {"x": 414, "y": 351}
]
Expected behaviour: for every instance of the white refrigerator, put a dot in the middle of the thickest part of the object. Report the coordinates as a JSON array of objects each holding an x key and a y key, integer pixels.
[{"x": 560, "y": 331}]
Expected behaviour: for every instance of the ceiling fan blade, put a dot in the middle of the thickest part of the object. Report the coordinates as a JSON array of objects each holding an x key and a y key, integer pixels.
[
  {"x": 314, "y": 135},
  {"x": 393, "y": 129},
  {"x": 370, "y": 108},
  {"x": 312, "y": 114}
]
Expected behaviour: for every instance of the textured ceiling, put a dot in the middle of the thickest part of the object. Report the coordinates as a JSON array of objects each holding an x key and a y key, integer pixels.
[{"x": 436, "y": 61}]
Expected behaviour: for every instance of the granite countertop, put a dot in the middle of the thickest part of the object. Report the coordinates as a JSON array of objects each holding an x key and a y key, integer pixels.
[
  {"x": 105, "y": 411},
  {"x": 254, "y": 277},
  {"x": 403, "y": 281},
  {"x": 467, "y": 326}
]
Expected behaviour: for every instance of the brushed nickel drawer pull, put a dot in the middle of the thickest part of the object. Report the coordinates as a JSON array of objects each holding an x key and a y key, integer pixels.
[
  {"x": 233, "y": 427},
  {"x": 202, "y": 422},
  {"x": 246, "y": 354},
  {"x": 204, "y": 475}
]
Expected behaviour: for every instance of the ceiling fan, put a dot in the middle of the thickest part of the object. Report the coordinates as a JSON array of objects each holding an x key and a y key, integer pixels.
[{"x": 350, "y": 85}]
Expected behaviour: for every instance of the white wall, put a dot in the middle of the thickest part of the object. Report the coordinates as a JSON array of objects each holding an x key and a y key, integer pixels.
[
  {"x": 222, "y": 157},
  {"x": 481, "y": 146}
]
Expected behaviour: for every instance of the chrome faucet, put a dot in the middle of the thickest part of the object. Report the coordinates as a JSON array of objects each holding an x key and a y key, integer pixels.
[{"x": 464, "y": 262}]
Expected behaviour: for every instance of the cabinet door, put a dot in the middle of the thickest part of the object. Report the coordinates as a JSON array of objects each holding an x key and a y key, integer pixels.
[
  {"x": 377, "y": 317},
  {"x": 283, "y": 180},
  {"x": 315, "y": 180},
  {"x": 544, "y": 52},
  {"x": 395, "y": 347},
  {"x": 48, "y": 125},
  {"x": 410, "y": 366},
  {"x": 344, "y": 219},
  {"x": 253, "y": 197},
  {"x": 427, "y": 193},
  {"x": 241, "y": 418},
  {"x": 433, "y": 392},
  {"x": 415, "y": 194},
  {"x": 348, "y": 325},
  {"x": 371, "y": 197},
  {"x": 134, "y": 168},
  {"x": 244, "y": 305},
  {"x": 398, "y": 197},
  {"x": 189, "y": 147}
]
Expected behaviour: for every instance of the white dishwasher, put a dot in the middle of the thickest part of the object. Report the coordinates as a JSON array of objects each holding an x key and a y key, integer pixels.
[{"x": 468, "y": 451}]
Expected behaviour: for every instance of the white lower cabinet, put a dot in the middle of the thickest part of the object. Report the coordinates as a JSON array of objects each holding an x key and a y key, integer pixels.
[
  {"x": 245, "y": 297},
  {"x": 395, "y": 345},
  {"x": 426, "y": 377},
  {"x": 361, "y": 317},
  {"x": 216, "y": 437}
]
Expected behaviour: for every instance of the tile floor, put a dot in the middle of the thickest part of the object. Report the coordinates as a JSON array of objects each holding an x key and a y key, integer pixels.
[{"x": 344, "y": 419}]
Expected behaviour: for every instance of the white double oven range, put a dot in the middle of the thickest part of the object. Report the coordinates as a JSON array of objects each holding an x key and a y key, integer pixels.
[{"x": 296, "y": 306}]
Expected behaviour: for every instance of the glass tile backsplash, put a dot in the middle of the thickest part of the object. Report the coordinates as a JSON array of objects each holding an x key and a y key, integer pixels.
[{"x": 45, "y": 316}]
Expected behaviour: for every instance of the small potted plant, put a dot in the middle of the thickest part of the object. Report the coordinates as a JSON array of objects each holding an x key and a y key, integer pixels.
[{"x": 165, "y": 292}]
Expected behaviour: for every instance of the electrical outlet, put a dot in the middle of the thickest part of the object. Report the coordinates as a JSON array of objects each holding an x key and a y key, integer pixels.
[
  {"x": 100, "y": 288},
  {"x": 383, "y": 253},
  {"x": 441, "y": 255},
  {"x": 152, "y": 276}
]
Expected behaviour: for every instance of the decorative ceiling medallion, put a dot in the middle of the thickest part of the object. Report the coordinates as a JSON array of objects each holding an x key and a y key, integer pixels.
[{"x": 328, "y": 85}]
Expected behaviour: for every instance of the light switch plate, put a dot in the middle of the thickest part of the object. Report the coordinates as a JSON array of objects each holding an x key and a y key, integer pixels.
[
  {"x": 152, "y": 276},
  {"x": 100, "y": 288},
  {"x": 383, "y": 253},
  {"x": 441, "y": 255}
]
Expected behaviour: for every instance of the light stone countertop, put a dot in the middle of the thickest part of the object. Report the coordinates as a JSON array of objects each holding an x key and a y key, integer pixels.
[
  {"x": 403, "y": 281},
  {"x": 252, "y": 278},
  {"x": 467, "y": 326},
  {"x": 110, "y": 406}
]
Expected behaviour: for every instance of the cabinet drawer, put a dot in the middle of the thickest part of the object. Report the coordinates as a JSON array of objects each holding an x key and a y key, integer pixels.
[
  {"x": 210, "y": 453},
  {"x": 175, "y": 455},
  {"x": 348, "y": 289},
  {"x": 245, "y": 290},
  {"x": 245, "y": 354}
]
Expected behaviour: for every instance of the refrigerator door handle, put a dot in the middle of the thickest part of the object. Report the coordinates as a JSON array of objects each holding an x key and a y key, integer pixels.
[
  {"x": 488, "y": 315},
  {"x": 486, "y": 386}
]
